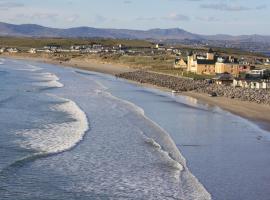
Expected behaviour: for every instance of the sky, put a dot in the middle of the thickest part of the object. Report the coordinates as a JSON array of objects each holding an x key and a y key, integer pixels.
[{"x": 235, "y": 17}]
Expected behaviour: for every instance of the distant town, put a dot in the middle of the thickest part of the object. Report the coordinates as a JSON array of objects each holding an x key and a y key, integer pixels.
[{"x": 229, "y": 70}]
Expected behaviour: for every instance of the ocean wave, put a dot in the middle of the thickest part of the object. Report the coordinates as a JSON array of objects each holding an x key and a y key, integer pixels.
[
  {"x": 57, "y": 137},
  {"x": 26, "y": 67},
  {"x": 160, "y": 140},
  {"x": 2, "y": 61},
  {"x": 47, "y": 80},
  {"x": 166, "y": 155}
]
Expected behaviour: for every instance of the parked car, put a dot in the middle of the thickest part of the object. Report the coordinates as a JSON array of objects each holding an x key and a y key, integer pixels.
[{"x": 213, "y": 94}]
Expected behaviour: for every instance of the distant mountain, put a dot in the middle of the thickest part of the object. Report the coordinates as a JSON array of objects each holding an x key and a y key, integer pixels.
[
  {"x": 248, "y": 38},
  {"x": 176, "y": 35},
  {"x": 33, "y": 30}
]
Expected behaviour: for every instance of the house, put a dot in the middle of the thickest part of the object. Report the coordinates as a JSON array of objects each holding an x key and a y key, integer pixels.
[
  {"x": 12, "y": 50},
  {"x": 211, "y": 64},
  {"x": 52, "y": 48},
  {"x": 32, "y": 50},
  {"x": 201, "y": 65},
  {"x": 180, "y": 63},
  {"x": 223, "y": 79},
  {"x": 177, "y": 51},
  {"x": 259, "y": 73},
  {"x": 2, "y": 50},
  {"x": 244, "y": 61},
  {"x": 77, "y": 48},
  {"x": 227, "y": 67},
  {"x": 160, "y": 47},
  {"x": 252, "y": 83},
  {"x": 245, "y": 68}
]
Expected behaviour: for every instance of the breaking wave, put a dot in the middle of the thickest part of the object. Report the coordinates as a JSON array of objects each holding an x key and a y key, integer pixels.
[
  {"x": 52, "y": 137},
  {"x": 58, "y": 137},
  {"x": 163, "y": 144},
  {"x": 48, "y": 80}
]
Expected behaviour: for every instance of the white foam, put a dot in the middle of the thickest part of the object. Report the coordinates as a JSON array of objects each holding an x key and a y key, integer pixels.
[
  {"x": 32, "y": 68},
  {"x": 2, "y": 61},
  {"x": 192, "y": 188},
  {"x": 58, "y": 137},
  {"x": 48, "y": 80},
  {"x": 50, "y": 84},
  {"x": 28, "y": 67},
  {"x": 166, "y": 156}
]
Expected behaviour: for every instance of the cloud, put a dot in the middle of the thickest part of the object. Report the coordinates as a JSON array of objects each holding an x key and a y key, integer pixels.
[
  {"x": 229, "y": 7},
  {"x": 207, "y": 19},
  {"x": 73, "y": 18},
  {"x": 100, "y": 19},
  {"x": 5, "y": 5},
  {"x": 46, "y": 16},
  {"x": 146, "y": 18},
  {"x": 177, "y": 17},
  {"x": 37, "y": 16}
]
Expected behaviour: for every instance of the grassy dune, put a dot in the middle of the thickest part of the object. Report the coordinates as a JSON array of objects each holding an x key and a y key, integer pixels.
[{"x": 67, "y": 42}]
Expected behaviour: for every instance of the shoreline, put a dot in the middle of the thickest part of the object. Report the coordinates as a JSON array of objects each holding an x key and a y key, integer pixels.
[
  {"x": 85, "y": 64},
  {"x": 256, "y": 113},
  {"x": 253, "y": 112}
]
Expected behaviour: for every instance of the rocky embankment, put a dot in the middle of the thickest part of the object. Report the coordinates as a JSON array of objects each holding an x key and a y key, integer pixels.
[{"x": 182, "y": 85}]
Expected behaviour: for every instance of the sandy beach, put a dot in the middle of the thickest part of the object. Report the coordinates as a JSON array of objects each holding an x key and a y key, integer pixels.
[
  {"x": 258, "y": 113},
  {"x": 85, "y": 64}
]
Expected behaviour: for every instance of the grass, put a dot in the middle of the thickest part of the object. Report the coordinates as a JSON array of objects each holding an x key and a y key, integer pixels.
[
  {"x": 197, "y": 76},
  {"x": 67, "y": 42},
  {"x": 178, "y": 72},
  {"x": 150, "y": 62}
]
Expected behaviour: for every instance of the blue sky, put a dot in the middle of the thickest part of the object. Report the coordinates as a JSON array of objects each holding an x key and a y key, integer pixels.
[{"x": 198, "y": 16}]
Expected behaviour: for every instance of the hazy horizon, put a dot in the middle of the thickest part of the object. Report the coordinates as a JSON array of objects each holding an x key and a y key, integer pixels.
[{"x": 197, "y": 16}]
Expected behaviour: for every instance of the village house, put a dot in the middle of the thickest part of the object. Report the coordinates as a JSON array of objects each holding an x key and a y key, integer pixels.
[
  {"x": 160, "y": 47},
  {"x": 201, "y": 65},
  {"x": 267, "y": 61},
  {"x": 77, "y": 48},
  {"x": 32, "y": 51},
  {"x": 180, "y": 63},
  {"x": 252, "y": 83},
  {"x": 50, "y": 48},
  {"x": 212, "y": 65},
  {"x": 223, "y": 79},
  {"x": 2, "y": 50},
  {"x": 245, "y": 68},
  {"x": 227, "y": 65},
  {"x": 259, "y": 73},
  {"x": 12, "y": 50}
]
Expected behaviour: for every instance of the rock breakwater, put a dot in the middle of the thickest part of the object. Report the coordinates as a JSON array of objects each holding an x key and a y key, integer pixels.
[{"x": 179, "y": 84}]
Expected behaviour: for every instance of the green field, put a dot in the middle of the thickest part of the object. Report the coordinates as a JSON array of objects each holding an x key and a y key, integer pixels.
[{"x": 24, "y": 43}]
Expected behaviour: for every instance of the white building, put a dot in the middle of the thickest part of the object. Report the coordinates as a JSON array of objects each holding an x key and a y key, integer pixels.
[
  {"x": 253, "y": 84},
  {"x": 258, "y": 73},
  {"x": 2, "y": 50},
  {"x": 12, "y": 50},
  {"x": 33, "y": 50}
]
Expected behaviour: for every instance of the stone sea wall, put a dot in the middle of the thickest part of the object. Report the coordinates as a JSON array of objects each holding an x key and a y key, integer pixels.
[{"x": 177, "y": 84}]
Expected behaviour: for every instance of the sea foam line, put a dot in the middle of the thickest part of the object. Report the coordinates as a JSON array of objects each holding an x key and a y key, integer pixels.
[
  {"x": 193, "y": 189},
  {"x": 48, "y": 80},
  {"x": 58, "y": 137}
]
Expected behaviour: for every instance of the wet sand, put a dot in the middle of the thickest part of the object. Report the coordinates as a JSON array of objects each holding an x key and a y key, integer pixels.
[
  {"x": 85, "y": 64},
  {"x": 258, "y": 113}
]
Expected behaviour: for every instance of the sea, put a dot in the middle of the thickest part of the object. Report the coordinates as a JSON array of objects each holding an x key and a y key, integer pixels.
[{"x": 67, "y": 133}]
